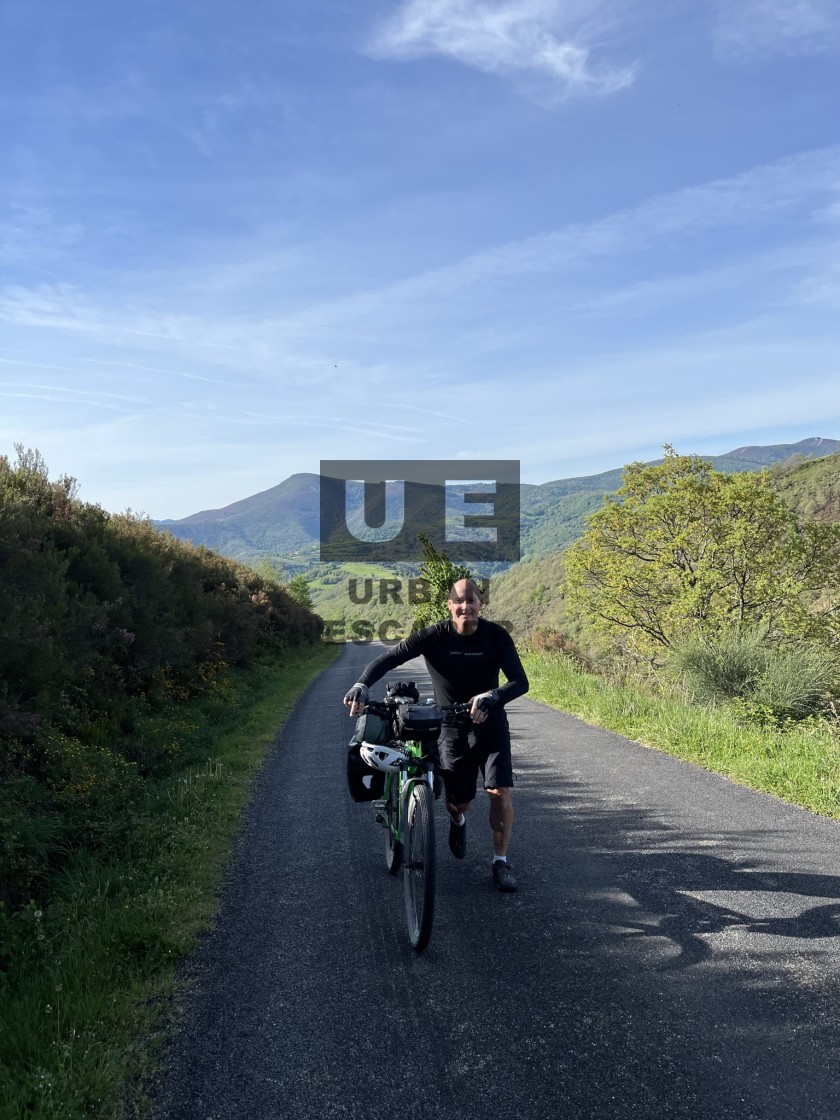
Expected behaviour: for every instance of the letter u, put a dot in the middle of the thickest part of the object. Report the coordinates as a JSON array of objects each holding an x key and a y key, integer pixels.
[{"x": 354, "y": 594}]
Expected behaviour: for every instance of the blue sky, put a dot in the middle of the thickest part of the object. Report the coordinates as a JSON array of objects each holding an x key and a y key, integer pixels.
[{"x": 239, "y": 238}]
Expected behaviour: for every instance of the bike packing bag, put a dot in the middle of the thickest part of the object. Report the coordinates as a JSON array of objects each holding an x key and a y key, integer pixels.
[
  {"x": 404, "y": 688},
  {"x": 364, "y": 783},
  {"x": 372, "y": 728},
  {"x": 420, "y": 722}
]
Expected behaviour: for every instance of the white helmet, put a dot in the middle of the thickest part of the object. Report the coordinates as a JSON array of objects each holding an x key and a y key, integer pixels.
[{"x": 383, "y": 757}]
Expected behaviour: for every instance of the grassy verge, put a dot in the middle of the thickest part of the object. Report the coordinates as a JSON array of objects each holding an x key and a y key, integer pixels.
[
  {"x": 799, "y": 765},
  {"x": 80, "y": 1004}
]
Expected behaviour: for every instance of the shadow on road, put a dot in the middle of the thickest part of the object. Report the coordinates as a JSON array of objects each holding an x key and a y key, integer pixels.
[{"x": 684, "y": 891}]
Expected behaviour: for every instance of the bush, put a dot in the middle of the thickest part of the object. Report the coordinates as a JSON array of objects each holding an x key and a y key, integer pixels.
[
  {"x": 109, "y": 628},
  {"x": 766, "y": 681},
  {"x": 721, "y": 669},
  {"x": 547, "y": 640},
  {"x": 797, "y": 682}
]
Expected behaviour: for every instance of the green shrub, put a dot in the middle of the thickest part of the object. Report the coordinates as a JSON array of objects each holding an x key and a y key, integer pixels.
[
  {"x": 548, "y": 640},
  {"x": 110, "y": 628},
  {"x": 767, "y": 682},
  {"x": 721, "y": 669},
  {"x": 797, "y": 682}
]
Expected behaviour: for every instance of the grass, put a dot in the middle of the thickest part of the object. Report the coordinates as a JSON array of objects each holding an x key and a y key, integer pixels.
[
  {"x": 80, "y": 1006},
  {"x": 800, "y": 764}
]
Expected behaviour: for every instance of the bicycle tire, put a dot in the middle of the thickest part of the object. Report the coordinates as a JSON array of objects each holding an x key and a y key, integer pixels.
[
  {"x": 393, "y": 848},
  {"x": 419, "y": 865}
]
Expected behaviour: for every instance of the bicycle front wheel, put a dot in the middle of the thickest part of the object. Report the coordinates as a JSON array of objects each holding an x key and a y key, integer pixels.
[{"x": 419, "y": 865}]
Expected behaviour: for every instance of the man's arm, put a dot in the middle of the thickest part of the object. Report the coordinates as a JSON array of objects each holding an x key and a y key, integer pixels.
[
  {"x": 511, "y": 665},
  {"x": 375, "y": 670},
  {"x": 515, "y": 685}
]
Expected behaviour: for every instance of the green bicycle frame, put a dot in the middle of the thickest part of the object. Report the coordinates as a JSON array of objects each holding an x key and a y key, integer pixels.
[{"x": 416, "y": 770}]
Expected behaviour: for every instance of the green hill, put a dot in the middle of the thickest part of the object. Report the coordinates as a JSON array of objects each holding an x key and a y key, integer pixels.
[
  {"x": 281, "y": 523},
  {"x": 528, "y": 596},
  {"x": 811, "y": 488}
]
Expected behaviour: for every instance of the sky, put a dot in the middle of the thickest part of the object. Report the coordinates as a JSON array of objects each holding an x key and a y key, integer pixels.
[{"x": 236, "y": 239}]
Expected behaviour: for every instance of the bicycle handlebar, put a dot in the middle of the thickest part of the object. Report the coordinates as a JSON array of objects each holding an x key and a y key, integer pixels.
[{"x": 391, "y": 702}]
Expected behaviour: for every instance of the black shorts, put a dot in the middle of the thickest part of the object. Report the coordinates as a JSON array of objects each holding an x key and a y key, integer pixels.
[{"x": 466, "y": 749}]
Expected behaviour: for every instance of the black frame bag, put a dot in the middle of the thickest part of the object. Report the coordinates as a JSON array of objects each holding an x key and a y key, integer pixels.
[{"x": 363, "y": 782}]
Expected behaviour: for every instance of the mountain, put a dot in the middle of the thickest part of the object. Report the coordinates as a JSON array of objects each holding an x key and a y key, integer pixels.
[
  {"x": 764, "y": 456},
  {"x": 283, "y": 522}
]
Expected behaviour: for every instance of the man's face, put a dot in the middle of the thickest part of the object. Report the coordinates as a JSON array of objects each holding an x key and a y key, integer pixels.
[{"x": 464, "y": 606}]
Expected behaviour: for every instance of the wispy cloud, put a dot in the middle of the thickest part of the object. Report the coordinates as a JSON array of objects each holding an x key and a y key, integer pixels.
[
  {"x": 761, "y": 196},
  {"x": 547, "y": 38},
  {"x": 750, "y": 27},
  {"x": 324, "y": 344}
]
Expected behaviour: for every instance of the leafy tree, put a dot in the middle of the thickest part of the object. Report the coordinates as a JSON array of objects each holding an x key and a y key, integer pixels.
[
  {"x": 440, "y": 573},
  {"x": 299, "y": 590},
  {"x": 682, "y": 548},
  {"x": 270, "y": 569}
]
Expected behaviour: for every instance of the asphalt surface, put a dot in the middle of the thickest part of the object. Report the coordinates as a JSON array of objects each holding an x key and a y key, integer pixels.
[{"x": 672, "y": 950}]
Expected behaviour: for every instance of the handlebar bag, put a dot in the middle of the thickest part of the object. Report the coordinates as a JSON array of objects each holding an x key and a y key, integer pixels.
[
  {"x": 372, "y": 728},
  {"x": 421, "y": 722},
  {"x": 404, "y": 688}
]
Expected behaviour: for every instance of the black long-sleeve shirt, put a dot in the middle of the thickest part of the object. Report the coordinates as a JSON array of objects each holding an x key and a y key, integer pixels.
[{"x": 461, "y": 665}]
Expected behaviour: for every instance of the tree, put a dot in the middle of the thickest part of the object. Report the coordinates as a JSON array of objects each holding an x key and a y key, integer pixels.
[
  {"x": 270, "y": 569},
  {"x": 299, "y": 590},
  {"x": 684, "y": 549},
  {"x": 440, "y": 573}
]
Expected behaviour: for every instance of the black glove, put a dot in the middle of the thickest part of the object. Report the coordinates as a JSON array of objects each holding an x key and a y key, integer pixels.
[
  {"x": 358, "y": 694},
  {"x": 487, "y": 701}
]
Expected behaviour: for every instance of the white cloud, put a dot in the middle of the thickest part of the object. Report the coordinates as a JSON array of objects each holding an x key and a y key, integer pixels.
[
  {"x": 749, "y": 27},
  {"x": 551, "y": 39}
]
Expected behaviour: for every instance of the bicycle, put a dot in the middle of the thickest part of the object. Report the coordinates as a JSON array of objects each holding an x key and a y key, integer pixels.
[{"x": 406, "y": 807}]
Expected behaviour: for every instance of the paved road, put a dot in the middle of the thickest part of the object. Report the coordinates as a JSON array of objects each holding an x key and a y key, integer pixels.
[{"x": 672, "y": 950}]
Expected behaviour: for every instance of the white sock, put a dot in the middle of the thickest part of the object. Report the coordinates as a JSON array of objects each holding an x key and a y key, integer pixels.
[
  {"x": 500, "y": 859},
  {"x": 461, "y": 822}
]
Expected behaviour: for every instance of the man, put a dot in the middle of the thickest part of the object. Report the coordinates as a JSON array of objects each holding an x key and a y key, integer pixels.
[{"x": 464, "y": 656}]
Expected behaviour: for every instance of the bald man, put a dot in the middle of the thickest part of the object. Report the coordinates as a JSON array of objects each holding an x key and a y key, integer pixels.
[{"x": 464, "y": 656}]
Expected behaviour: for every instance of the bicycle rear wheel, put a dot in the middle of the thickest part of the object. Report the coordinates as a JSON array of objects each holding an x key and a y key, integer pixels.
[
  {"x": 393, "y": 848},
  {"x": 419, "y": 865}
]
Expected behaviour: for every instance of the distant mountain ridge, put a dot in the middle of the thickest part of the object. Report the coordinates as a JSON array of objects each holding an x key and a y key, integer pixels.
[{"x": 283, "y": 522}]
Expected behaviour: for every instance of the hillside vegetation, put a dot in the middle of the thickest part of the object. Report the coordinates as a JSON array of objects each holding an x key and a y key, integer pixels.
[
  {"x": 141, "y": 681},
  {"x": 530, "y": 597},
  {"x": 712, "y": 602},
  {"x": 811, "y": 488},
  {"x": 531, "y": 594},
  {"x": 108, "y": 626}
]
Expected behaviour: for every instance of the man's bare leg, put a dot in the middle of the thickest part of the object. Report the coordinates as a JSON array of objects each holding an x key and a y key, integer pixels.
[{"x": 501, "y": 819}]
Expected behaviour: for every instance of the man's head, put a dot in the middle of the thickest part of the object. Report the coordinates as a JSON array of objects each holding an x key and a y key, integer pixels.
[{"x": 464, "y": 605}]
